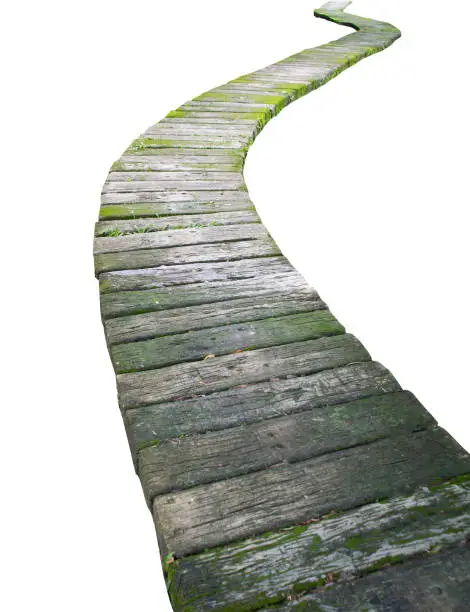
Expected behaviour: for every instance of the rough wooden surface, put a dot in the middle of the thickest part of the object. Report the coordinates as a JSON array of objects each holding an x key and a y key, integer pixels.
[
  {"x": 283, "y": 467},
  {"x": 339, "y": 551}
]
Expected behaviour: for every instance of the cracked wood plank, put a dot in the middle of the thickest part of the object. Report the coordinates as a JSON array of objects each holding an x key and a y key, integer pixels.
[
  {"x": 221, "y": 251},
  {"x": 254, "y": 402},
  {"x": 203, "y": 316},
  {"x": 214, "y": 514},
  {"x": 188, "y": 379},
  {"x": 225, "y": 339},
  {"x": 179, "y": 237},
  {"x": 187, "y": 462},
  {"x": 279, "y": 567}
]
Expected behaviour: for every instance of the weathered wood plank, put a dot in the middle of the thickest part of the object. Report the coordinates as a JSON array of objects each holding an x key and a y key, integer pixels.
[
  {"x": 203, "y": 316},
  {"x": 157, "y": 185},
  {"x": 121, "y": 303},
  {"x": 190, "y": 142},
  {"x": 170, "y": 177},
  {"x": 190, "y": 379},
  {"x": 136, "y": 210},
  {"x": 220, "y": 512},
  {"x": 223, "y": 340},
  {"x": 153, "y": 160},
  {"x": 221, "y": 251},
  {"x": 228, "y": 107},
  {"x": 279, "y": 567},
  {"x": 259, "y": 115},
  {"x": 196, "y": 273},
  {"x": 251, "y": 403},
  {"x": 179, "y": 237},
  {"x": 432, "y": 582},
  {"x": 210, "y": 197},
  {"x": 173, "y": 222},
  {"x": 185, "y": 130},
  {"x": 184, "y": 463}
]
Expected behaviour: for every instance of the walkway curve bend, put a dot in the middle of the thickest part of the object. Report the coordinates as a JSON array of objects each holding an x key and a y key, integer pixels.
[{"x": 284, "y": 468}]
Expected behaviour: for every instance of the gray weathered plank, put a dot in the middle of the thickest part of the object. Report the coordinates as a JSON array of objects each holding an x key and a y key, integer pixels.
[
  {"x": 220, "y": 251},
  {"x": 171, "y": 177},
  {"x": 251, "y": 403},
  {"x": 281, "y": 566},
  {"x": 196, "y": 273},
  {"x": 149, "y": 224},
  {"x": 223, "y": 340},
  {"x": 184, "y": 130},
  {"x": 155, "y": 160},
  {"x": 213, "y": 514},
  {"x": 121, "y": 303},
  {"x": 227, "y": 312},
  {"x": 179, "y": 237},
  {"x": 189, "y": 379},
  {"x": 187, "y": 196},
  {"x": 156, "y": 185},
  {"x": 188, "y": 462}
]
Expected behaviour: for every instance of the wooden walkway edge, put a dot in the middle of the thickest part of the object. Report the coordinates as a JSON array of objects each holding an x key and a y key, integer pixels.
[{"x": 284, "y": 468}]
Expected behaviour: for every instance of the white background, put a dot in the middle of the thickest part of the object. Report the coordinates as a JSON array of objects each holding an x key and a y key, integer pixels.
[{"x": 364, "y": 185}]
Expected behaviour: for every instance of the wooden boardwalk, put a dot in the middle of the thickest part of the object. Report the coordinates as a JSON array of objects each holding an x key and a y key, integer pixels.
[{"x": 283, "y": 466}]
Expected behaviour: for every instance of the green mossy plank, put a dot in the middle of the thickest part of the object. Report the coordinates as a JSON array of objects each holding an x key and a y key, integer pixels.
[
  {"x": 152, "y": 224},
  {"x": 201, "y": 459},
  {"x": 251, "y": 403},
  {"x": 217, "y": 513},
  {"x": 179, "y": 237},
  {"x": 190, "y": 379},
  {"x": 223, "y": 340},
  {"x": 281, "y": 566},
  {"x": 138, "y": 210},
  {"x": 223, "y": 251},
  {"x": 179, "y": 320},
  {"x": 196, "y": 275},
  {"x": 190, "y": 142},
  {"x": 259, "y": 115}
]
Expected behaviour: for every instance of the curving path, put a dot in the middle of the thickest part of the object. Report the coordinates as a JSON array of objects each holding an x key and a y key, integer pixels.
[{"x": 283, "y": 467}]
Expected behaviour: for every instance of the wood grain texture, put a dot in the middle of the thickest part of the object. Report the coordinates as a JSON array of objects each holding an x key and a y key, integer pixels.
[
  {"x": 200, "y": 344},
  {"x": 179, "y": 320},
  {"x": 255, "y": 402},
  {"x": 219, "y": 373},
  {"x": 179, "y": 237},
  {"x": 152, "y": 224},
  {"x": 198, "y": 293},
  {"x": 431, "y": 582},
  {"x": 340, "y": 552},
  {"x": 183, "y": 463},
  {"x": 212, "y": 514},
  {"x": 221, "y": 251}
]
